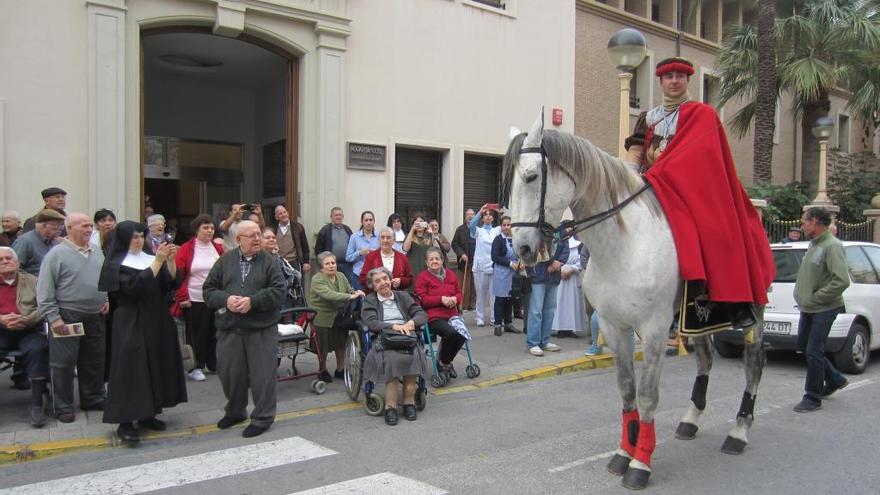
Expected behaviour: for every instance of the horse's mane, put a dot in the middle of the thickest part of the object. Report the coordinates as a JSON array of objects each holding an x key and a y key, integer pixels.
[{"x": 597, "y": 174}]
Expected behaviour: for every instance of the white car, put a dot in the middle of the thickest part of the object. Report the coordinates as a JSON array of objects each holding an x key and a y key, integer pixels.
[{"x": 854, "y": 332}]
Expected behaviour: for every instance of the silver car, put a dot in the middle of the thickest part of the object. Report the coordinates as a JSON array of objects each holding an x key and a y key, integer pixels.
[{"x": 853, "y": 333}]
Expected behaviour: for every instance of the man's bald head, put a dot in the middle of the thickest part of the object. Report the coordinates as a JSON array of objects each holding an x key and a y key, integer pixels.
[
  {"x": 247, "y": 233},
  {"x": 79, "y": 228}
]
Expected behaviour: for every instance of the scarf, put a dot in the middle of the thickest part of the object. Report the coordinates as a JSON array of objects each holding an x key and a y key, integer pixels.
[
  {"x": 441, "y": 275},
  {"x": 672, "y": 103}
]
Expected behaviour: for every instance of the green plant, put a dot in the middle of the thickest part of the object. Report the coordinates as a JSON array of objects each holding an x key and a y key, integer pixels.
[
  {"x": 783, "y": 202},
  {"x": 852, "y": 190}
]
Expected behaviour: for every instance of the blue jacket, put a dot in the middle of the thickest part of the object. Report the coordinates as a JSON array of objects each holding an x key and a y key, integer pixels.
[{"x": 538, "y": 273}]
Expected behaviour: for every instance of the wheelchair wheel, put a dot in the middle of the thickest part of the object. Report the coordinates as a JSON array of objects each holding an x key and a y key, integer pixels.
[
  {"x": 374, "y": 404},
  {"x": 472, "y": 371},
  {"x": 318, "y": 387},
  {"x": 438, "y": 381},
  {"x": 354, "y": 365},
  {"x": 421, "y": 399}
]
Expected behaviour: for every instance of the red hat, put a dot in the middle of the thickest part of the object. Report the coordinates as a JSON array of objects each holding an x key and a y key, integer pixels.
[{"x": 674, "y": 64}]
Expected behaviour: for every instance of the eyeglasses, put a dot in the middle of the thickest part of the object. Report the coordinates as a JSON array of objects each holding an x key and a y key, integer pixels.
[{"x": 255, "y": 235}]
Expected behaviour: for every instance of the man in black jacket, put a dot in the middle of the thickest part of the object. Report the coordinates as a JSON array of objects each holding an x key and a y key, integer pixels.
[
  {"x": 245, "y": 288},
  {"x": 464, "y": 245}
]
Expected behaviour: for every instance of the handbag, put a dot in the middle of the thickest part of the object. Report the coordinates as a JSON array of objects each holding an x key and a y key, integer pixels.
[
  {"x": 396, "y": 341},
  {"x": 347, "y": 317}
]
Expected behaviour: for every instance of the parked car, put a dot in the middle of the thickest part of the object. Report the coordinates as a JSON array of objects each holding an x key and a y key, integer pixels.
[{"x": 854, "y": 332}]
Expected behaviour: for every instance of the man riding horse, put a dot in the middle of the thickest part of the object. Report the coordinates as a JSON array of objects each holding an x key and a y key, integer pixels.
[{"x": 681, "y": 148}]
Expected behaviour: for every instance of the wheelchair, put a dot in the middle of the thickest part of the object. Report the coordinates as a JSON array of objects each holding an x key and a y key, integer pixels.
[
  {"x": 357, "y": 346},
  {"x": 440, "y": 379},
  {"x": 295, "y": 311}
]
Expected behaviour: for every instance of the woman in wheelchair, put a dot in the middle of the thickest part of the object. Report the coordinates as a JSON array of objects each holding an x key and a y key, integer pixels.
[
  {"x": 438, "y": 291},
  {"x": 393, "y": 315}
]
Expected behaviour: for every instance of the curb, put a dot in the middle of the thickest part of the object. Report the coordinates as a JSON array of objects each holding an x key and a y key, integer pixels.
[{"x": 19, "y": 453}]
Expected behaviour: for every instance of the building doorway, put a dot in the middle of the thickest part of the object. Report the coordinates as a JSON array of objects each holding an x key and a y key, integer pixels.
[{"x": 219, "y": 124}]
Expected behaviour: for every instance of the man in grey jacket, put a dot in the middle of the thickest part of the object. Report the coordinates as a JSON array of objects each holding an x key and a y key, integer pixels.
[
  {"x": 245, "y": 289},
  {"x": 67, "y": 293}
]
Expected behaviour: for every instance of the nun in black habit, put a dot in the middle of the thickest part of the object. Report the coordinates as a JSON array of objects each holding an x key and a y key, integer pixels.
[{"x": 146, "y": 370}]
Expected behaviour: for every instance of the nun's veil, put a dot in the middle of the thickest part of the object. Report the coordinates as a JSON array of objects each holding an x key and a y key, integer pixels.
[{"x": 117, "y": 250}]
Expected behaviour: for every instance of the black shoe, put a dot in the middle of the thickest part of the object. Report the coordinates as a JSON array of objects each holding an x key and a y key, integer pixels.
[
  {"x": 340, "y": 374},
  {"x": 66, "y": 417},
  {"x": 807, "y": 405},
  {"x": 450, "y": 370},
  {"x": 391, "y": 416},
  {"x": 253, "y": 430},
  {"x": 325, "y": 377},
  {"x": 127, "y": 433},
  {"x": 228, "y": 422},
  {"x": 97, "y": 406},
  {"x": 829, "y": 389},
  {"x": 498, "y": 330},
  {"x": 152, "y": 424},
  {"x": 511, "y": 329},
  {"x": 409, "y": 412}
]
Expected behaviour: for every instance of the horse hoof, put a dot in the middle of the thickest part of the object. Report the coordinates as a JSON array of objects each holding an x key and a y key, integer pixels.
[
  {"x": 686, "y": 431},
  {"x": 636, "y": 479},
  {"x": 618, "y": 464},
  {"x": 733, "y": 446}
]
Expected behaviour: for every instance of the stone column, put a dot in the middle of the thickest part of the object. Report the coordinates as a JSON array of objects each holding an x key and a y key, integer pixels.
[
  {"x": 330, "y": 131},
  {"x": 873, "y": 214}
]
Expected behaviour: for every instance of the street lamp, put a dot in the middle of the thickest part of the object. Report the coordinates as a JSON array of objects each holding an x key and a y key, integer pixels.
[
  {"x": 822, "y": 129},
  {"x": 626, "y": 50}
]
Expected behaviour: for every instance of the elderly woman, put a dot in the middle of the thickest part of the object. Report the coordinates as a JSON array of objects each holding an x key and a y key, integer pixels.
[
  {"x": 194, "y": 261},
  {"x": 394, "y": 261},
  {"x": 105, "y": 222},
  {"x": 292, "y": 276},
  {"x": 417, "y": 243},
  {"x": 11, "y": 223},
  {"x": 437, "y": 289},
  {"x": 146, "y": 373},
  {"x": 386, "y": 310},
  {"x": 156, "y": 236},
  {"x": 330, "y": 290},
  {"x": 438, "y": 239}
]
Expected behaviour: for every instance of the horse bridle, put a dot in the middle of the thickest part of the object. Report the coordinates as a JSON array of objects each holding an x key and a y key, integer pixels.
[{"x": 568, "y": 228}]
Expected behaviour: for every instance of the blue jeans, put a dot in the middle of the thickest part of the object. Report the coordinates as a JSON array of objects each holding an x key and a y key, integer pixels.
[
  {"x": 813, "y": 329},
  {"x": 347, "y": 269},
  {"x": 542, "y": 309},
  {"x": 594, "y": 330}
]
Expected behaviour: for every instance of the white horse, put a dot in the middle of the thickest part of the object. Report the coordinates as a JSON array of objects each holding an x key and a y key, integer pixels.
[{"x": 632, "y": 278}]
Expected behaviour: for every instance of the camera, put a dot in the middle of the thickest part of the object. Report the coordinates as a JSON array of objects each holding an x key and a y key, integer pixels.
[
  {"x": 422, "y": 224},
  {"x": 249, "y": 207}
]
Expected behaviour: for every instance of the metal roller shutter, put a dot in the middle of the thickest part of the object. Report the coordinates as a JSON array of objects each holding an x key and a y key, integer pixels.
[
  {"x": 417, "y": 183},
  {"x": 482, "y": 180}
]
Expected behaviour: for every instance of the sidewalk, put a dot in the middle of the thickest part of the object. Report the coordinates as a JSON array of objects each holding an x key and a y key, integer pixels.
[{"x": 501, "y": 359}]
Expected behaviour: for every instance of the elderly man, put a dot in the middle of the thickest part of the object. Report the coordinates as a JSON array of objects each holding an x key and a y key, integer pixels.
[
  {"x": 31, "y": 247},
  {"x": 67, "y": 294},
  {"x": 20, "y": 330},
  {"x": 334, "y": 237},
  {"x": 293, "y": 244},
  {"x": 464, "y": 246},
  {"x": 11, "y": 223},
  {"x": 54, "y": 198},
  {"x": 245, "y": 288}
]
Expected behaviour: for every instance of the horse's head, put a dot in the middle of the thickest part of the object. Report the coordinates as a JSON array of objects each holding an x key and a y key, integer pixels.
[{"x": 536, "y": 194}]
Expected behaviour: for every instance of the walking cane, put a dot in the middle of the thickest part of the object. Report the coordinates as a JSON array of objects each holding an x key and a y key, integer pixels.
[{"x": 464, "y": 284}]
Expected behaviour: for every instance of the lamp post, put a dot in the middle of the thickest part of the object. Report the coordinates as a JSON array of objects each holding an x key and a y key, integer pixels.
[
  {"x": 626, "y": 50},
  {"x": 822, "y": 130}
]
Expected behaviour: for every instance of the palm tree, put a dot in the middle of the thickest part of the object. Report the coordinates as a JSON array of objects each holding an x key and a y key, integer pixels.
[
  {"x": 765, "y": 94},
  {"x": 821, "y": 45}
]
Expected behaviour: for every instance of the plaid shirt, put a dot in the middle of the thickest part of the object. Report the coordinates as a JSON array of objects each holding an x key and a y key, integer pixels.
[{"x": 245, "y": 263}]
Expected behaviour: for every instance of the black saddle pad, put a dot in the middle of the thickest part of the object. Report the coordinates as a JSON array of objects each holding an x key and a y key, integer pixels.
[{"x": 700, "y": 316}]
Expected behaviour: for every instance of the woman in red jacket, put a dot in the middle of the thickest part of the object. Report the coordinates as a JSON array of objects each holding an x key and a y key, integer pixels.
[
  {"x": 394, "y": 261},
  {"x": 438, "y": 290},
  {"x": 194, "y": 260}
]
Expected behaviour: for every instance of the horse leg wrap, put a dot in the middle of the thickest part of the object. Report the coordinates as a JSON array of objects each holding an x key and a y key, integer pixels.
[
  {"x": 698, "y": 394},
  {"x": 747, "y": 407},
  {"x": 630, "y": 436},
  {"x": 646, "y": 444}
]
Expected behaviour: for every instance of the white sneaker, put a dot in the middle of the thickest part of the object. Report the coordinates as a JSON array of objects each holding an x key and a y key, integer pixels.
[
  {"x": 481, "y": 323},
  {"x": 197, "y": 375},
  {"x": 551, "y": 347},
  {"x": 536, "y": 351}
]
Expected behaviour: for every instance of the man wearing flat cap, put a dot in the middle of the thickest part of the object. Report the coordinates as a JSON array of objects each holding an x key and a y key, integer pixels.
[
  {"x": 682, "y": 150},
  {"x": 54, "y": 198},
  {"x": 794, "y": 235},
  {"x": 32, "y": 246}
]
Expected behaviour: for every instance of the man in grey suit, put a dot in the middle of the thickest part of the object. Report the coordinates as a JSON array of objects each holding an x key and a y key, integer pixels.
[{"x": 245, "y": 289}]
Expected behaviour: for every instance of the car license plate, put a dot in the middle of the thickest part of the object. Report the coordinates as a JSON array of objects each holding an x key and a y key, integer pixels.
[{"x": 777, "y": 327}]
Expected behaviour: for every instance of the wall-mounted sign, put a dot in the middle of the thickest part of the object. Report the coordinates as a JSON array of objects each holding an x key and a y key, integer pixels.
[{"x": 366, "y": 156}]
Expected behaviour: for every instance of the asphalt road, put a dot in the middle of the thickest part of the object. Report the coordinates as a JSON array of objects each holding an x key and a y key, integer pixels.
[{"x": 549, "y": 436}]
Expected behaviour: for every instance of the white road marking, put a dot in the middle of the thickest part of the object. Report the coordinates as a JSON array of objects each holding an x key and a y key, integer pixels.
[
  {"x": 180, "y": 471},
  {"x": 581, "y": 462},
  {"x": 376, "y": 484},
  {"x": 855, "y": 385}
]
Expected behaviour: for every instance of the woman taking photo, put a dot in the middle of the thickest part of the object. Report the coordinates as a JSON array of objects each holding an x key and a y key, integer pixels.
[
  {"x": 437, "y": 289},
  {"x": 360, "y": 244},
  {"x": 394, "y": 261},
  {"x": 330, "y": 290},
  {"x": 194, "y": 261},
  {"x": 386, "y": 310},
  {"x": 416, "y": 245},
  {"x": 146, "y": 373},
  {"x": 484, "y": 233}
]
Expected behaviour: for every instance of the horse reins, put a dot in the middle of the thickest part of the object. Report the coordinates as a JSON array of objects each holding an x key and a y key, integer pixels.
[{"x": 568, "y": 228}]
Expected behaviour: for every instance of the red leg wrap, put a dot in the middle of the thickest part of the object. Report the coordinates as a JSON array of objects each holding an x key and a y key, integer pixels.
[
  {"x": 647, "y": 442},
  {"x": 630, "y": 432}
]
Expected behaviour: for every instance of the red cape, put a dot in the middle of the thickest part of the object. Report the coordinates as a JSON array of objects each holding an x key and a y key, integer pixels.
[{"x": 718, "y": 235}]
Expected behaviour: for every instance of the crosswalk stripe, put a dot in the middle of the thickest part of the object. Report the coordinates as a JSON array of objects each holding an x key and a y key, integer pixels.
[
  {"x": 182, "y": 470},
  {"x": 376, "y": 484}
]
